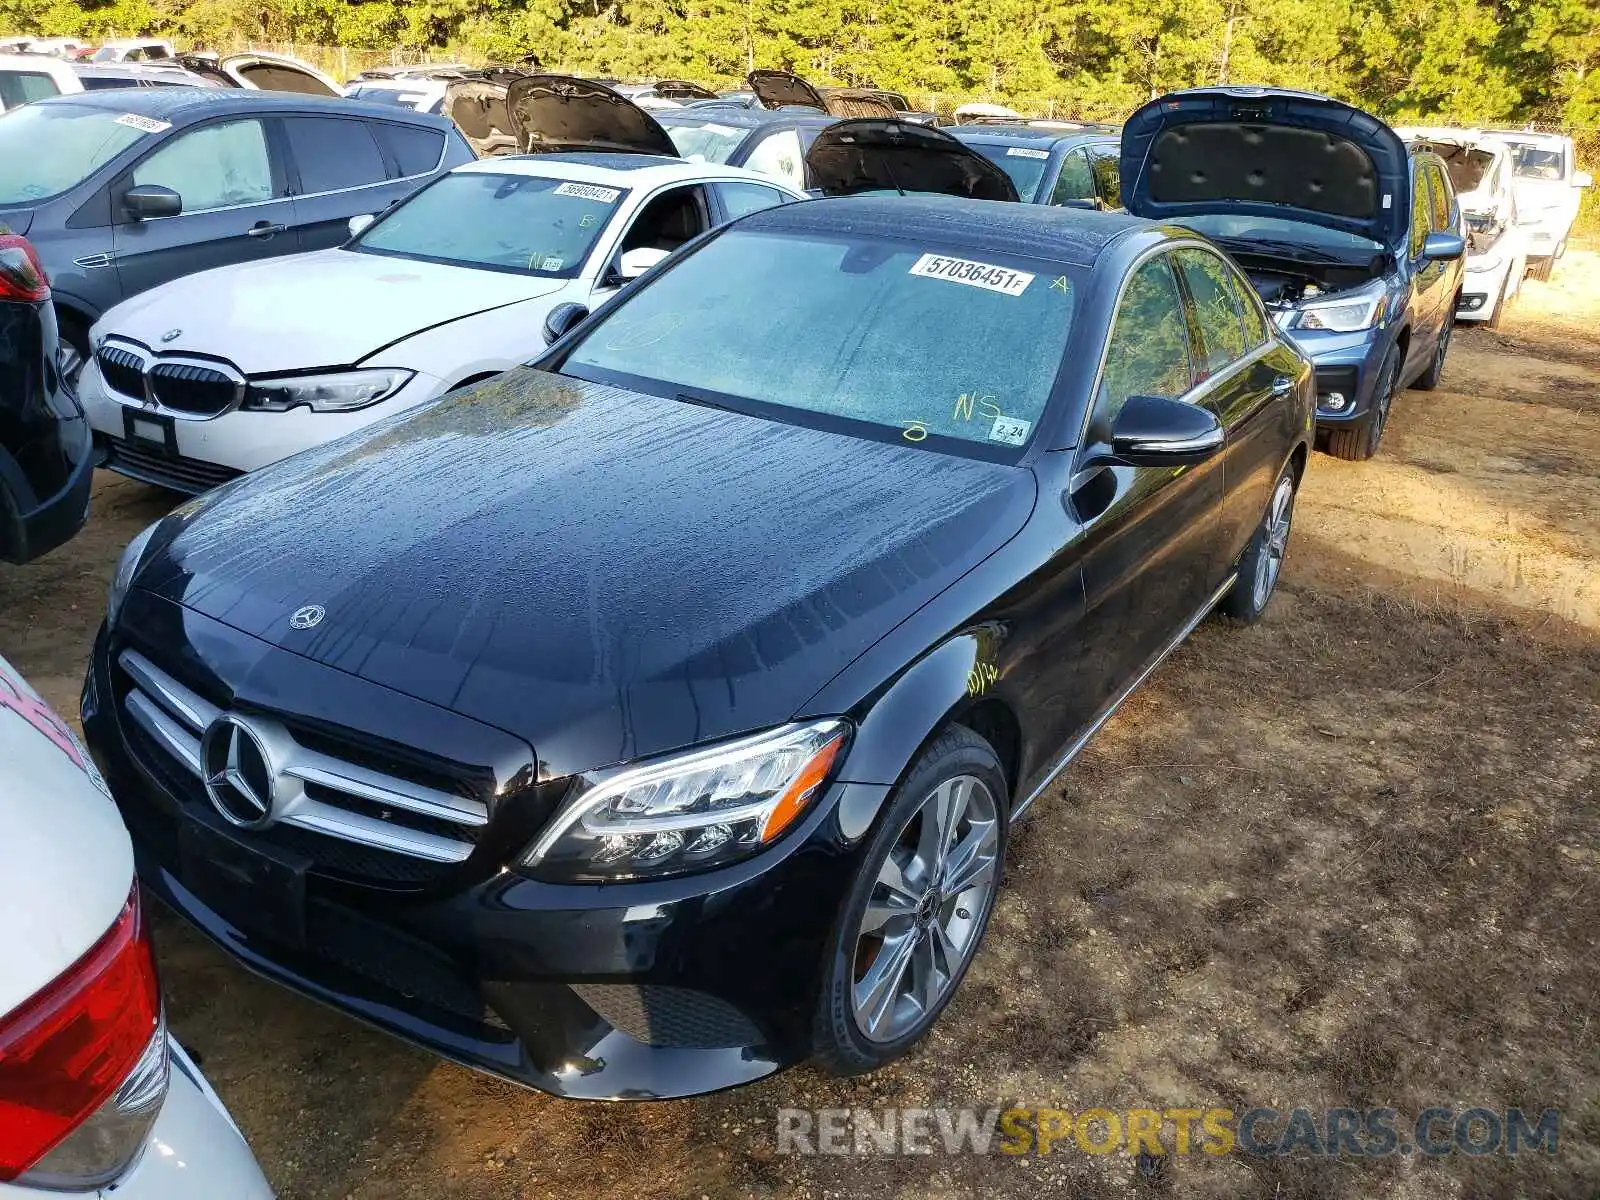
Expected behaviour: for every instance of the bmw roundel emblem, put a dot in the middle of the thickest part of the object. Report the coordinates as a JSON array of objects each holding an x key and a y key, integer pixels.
[
  {"x": 308, "y": 617},
  {"x": 172, "y": 335}
]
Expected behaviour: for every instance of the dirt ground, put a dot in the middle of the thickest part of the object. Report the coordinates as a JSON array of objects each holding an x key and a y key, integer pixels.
[{"x": 1346, "y": 857}]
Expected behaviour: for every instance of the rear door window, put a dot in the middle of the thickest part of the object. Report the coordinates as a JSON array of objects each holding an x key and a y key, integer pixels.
[
  {"x": 741, "y": 198},
  {"x": 1105, "y": 159},
  {"x": 334, "y": 153},
  {"x": 416, "y": 150},
  {"x": 217, "y": 166}
]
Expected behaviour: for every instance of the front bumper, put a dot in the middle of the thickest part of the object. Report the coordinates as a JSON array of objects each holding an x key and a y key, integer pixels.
[
  {"x": 621, "y": 991},
  {"x": 195, "y": 455},
  {"x": 1480, "y": 290},
  {"x": 1345, "y": 364}
]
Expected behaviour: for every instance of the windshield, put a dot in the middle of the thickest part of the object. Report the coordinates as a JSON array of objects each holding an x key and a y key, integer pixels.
[
  {"x": 1246, "y": 229},
  {"x": 1538, "y": 162},
  {"x": 1025, "y": 164},
  {"x": 952, "y": 349},
  {"x": 704, "y": 141},
  {"x": 513, "y": 223},
  {"x": 63, "y": 145}
]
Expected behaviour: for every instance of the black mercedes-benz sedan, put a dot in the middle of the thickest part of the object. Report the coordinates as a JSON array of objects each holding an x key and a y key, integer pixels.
[{"x": 653, "y": 716}]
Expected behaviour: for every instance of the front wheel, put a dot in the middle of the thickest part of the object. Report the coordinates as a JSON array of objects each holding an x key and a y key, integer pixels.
[
  {"x": 1262, "y": 560},
  {"x": 1360, "y": 441},
  {"x": 918, "y": 907}
]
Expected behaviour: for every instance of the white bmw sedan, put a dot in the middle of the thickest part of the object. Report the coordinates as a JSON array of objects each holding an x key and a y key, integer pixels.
[{"x": 229, "y": 370}]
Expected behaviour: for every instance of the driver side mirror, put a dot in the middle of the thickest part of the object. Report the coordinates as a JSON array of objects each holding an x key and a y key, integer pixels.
[
  {"x": 360, "y": 223},
  {"x": 636, "y": 262},
  {"x": 1156, "y": 431},
  {"x": 562, "y": 320},
  {"x": 1443, "y": 246},
  {"x": 151, "y": 200},
  {"x": 1583, "y": 179}
]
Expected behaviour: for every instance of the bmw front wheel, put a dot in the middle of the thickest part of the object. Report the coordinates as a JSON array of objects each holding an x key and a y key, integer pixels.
[{"x": 918, "y": 907}]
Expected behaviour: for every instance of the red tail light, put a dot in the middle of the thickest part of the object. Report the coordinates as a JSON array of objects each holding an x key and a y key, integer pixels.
[
  {"x": 21, "y": 274},
  {"x": 69, "y": 1047}
]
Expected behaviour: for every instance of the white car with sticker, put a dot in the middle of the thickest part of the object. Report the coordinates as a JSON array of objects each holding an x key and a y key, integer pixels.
[
  {"x": 231, "y": 369},
  {"x": 95, "y": 1098}
]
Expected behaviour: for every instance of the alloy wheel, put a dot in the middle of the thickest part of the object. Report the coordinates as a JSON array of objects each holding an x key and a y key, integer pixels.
[
  {"x": 926, "y": 909},
  {"x": 1274, "y": 543}
]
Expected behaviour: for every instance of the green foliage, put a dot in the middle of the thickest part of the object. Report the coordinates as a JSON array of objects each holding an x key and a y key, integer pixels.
[{"x": 1471, "y": 60}]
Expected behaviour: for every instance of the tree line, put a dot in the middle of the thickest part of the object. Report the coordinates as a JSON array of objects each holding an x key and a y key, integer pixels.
[{"x": 1467, "y": 60}]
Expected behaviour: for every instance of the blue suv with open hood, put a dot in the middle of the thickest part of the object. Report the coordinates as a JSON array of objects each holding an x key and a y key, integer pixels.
[{"x": 1353, "y": 241}]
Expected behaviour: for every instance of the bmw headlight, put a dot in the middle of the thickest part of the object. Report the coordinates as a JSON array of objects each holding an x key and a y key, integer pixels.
[
  {"x": 127, "y": 567},
  {"x": 689, "y": 811},
  {"x": 1345, "y": 312},
  {"x": 341, "y": 391}
]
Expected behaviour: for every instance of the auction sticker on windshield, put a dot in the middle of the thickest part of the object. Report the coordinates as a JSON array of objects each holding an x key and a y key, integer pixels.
[
  {"x": 974, "y": 274},
  {"x": 1025, "y": 152},
  {"x": 589, "y": 191},
  {"x": 143, "y": 124}
]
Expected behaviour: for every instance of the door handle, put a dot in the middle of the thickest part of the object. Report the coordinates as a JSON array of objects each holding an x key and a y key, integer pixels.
[
  {"x": 264, "y": 229},
  {"x": 1282, "y": 385}
]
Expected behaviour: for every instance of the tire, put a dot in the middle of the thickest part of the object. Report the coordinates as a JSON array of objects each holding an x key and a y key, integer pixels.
[
  {"x": 1492, "y": 321},
  {"x": 74, "y": 352},
  {"x": 1359, "y": 442},
  {"x": 918, "y": 931},
  {"x": 1262, "y": 560},
  {"x": 1429, "y": 379}
]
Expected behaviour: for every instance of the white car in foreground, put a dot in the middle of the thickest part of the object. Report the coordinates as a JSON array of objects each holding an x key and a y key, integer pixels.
[
  {"x": 95, "y": 1098},
  {"x": 1480, "y": 169},
  {"x": 1549, "y": 187},
  {"x": 229, "y": 370}
]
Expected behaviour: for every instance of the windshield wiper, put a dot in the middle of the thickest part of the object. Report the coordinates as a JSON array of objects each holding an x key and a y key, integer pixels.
[
  {"x": 1295, "y": 250},
  {"x": 703, "y": 402}
]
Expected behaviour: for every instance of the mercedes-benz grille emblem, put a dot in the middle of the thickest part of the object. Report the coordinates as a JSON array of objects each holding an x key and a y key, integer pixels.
[
  {"x": 240, "y": 777},
  {"x": 308, "y": 617},
  {"x": 172, "y": 335}
]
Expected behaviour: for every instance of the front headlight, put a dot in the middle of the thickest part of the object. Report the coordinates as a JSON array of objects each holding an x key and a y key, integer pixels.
[
  {"x": 1343, "y": 313},
  {"x": 343, "y": 391},
  {"x": 1479, "y": 264},
  {"x": 689, "y": 811},
  {"x": 127, "y": 567}
]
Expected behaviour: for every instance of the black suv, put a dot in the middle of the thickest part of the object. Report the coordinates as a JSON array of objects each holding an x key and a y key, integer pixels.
[{"x": 119, "y": 191}]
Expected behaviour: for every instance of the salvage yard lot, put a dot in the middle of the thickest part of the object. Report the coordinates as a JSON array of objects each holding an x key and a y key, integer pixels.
[{"x": 1347, "y": 857}]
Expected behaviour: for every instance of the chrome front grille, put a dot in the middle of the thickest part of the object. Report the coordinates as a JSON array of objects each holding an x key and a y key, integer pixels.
[
  {"x": 192, "y": 389},
  {"x": 311, "y": 790}
]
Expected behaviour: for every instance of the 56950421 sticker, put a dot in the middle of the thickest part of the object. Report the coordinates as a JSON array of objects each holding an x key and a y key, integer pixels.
[
  {"x": 974, "y": 274},
  {"x": 589, "y": 191}
]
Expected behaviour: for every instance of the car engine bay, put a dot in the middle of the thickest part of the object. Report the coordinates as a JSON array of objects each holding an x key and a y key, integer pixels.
[{"x": 1283, "y": 282}]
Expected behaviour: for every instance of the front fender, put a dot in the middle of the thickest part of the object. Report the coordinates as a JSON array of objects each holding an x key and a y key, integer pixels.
[{"x": 932, "y": 692}]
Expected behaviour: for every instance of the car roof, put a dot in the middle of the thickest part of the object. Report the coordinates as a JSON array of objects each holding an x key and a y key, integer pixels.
[
  {"x": 1071, "y": 236},
  {"x": 1026, "y": 135},
  {"x": 616, "y": 169},
  {"x": 193, "y": 103}
]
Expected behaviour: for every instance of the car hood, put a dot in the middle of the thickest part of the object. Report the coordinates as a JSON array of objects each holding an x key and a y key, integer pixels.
[
  {"x": 1266, "y": 152},
  {"x": 604, "y": 574},
  {"x": 869, "y": 154},
  {"x": 478, "y": 107},
  {"x": 331, "y": 308},
  {"x": 784, "y": 89},
  {"x": 559, "y": 112}
]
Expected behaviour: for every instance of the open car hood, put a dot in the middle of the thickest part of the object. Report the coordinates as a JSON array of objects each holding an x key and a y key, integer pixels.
[
  {"x": 870, "y": 154},
  {"x": 559, "y": 112},
  {"x": 858, "y": 102},
  {"x": 274, "y": 72},
  {"x": 784, "y": 89},
  {"x": 682, "y": 89},
  {"x": 1266, "y": 152},
  {"x": 478, "y": 107}
]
